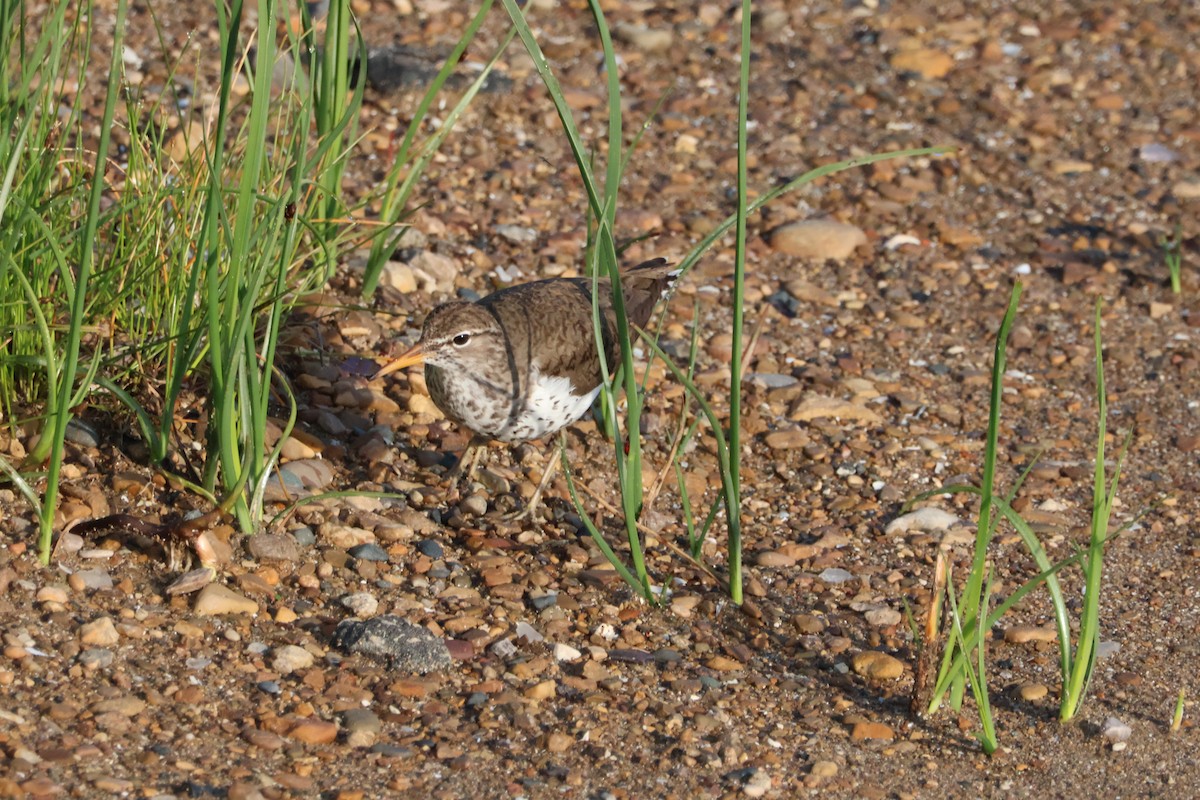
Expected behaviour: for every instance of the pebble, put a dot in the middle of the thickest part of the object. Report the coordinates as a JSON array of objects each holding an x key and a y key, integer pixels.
[
  {"x": 723, "y": 664},
  {"x": 818, "y": 239},
  {"x": 369, "y": 552},
  {"x": 543, "y": 601},
  {"x": 217, "y": 599},
  {"x": 559, "y": 742},
  {"x": 273, "y": 547},
  {"x": 362, "y": 727},
  {"x": 96, "y": 658},
  {"x": 99, "y": 633},
  {"x": 345, "y": 537},
  {"x": 871, "y": 730},
  {"x": 651, "y": 40},
  {"x": 399, "y": 276},
  {"x": 407, "y": 647},
  {"x": 542, "y": 690},
  {"x": 564, "y": 652},
  {"x": 1032, "y": 692},
  {"x": 517, "y": 234},
  {"x": 774, "y": 558},
  {"x": 757, "y": 783},
  {"x": 428, "y": 547},
  {"x": 313, "y": 731},
  {"x": 53, "y": 594},
  {"x": 191, "y": 581},
  {"x": 291, "y": 658},
  {"x": 927, "y": 520},
  {"x": 363, "y": 604},
  {"x": 1116, "y": 732},
  {"x": 473, "y": 505},
  {"x": 94, "y": 580},
  {"x": 1021, "y": 634},
  {"x": 263, "y": 740},
  {"x": 877, "y": 666},
  {"x": 835, "y": 575},
  {"x": 527, "y": 632},
  {"x": 791, "y": 439},
  {"x": 883, "y": 617},
  {"x": 823, "y": 769},
  {"x": 924, "y": 61}
]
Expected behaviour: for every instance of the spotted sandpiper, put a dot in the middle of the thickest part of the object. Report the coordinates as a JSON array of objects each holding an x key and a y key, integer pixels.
[{"x": 522, "y": 363}]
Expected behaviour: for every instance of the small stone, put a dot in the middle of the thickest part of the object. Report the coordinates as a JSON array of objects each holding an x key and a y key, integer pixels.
[
  {"x": 651, "y": 40},
  {"x": 363, "y": 604},
  {"x": 263, "y": 740},
  {"x": 362, "y": 727},
  {"x": 273, "y": 547},
  {"x": 96, "y": 658},
  {"x": 871, "y": 730},
  {"x": 792, "y": 439},
  {"x": 1186, "y": 190},
  {"x": 369, "y": 551},
  {"x": 125, "y": 706},
  {"x": 191, "y": 581},
  {"x": 564, "y": 652},
  {"x": 883, "y": 617},
  {"x": 399, "y": 276},
  {"x": 1021, "y": 634},
  {"x": 774, "y": 558},
  {"x": 835, "y": 575},
  {"x": 428, "y": 547},
  {"x": 53, "y": 594},
  {"x": 925, "y": 61},
  {"x": 818, "y": 239},
  {"x": 94, "y": 580},
  {"x": 559, "y": 742},
  {"x": 542, "y": 691},
  {"x": 406, "y": 646},
  {"x": 291, "y": 658},
  {"x": 474, "y": 505},
  {"x": 313, "y": 731},
  {"x": 757, "y": 783},
  {"x": 1032, "y": 692},
  {"x": 877, "y": 666},
  {"x": 99, "y": 633},
  {"x": 927, "y": 520},
  {"x": 723, "y": 664},
  {"x": 218, "y": 599},
  {"x": 823, "y": 769},
  {"x": 1116, "y": 731},
  {"x": 1159, "y": 310}
]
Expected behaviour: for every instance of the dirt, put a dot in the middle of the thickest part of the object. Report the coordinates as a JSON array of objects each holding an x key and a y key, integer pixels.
[{"x": 1078, "y": 141}]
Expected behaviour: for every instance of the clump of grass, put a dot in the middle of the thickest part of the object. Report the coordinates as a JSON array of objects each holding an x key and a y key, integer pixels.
[
  {"x": 963, "y": 657},
  {"x": 180, "y": 282}
]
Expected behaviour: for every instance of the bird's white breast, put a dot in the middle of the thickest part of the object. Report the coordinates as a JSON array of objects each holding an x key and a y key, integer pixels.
[{"x": 550, "y": 404}]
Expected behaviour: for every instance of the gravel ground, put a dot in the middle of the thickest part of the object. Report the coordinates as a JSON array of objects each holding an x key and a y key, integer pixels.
[{"x": 525, "y": 667}]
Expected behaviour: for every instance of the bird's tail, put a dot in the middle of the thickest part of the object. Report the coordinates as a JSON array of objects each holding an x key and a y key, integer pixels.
[{"x": 644, "y": 285}]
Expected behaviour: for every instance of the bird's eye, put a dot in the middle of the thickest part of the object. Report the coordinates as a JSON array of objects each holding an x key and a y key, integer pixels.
[{"x": 461, "y": 339}]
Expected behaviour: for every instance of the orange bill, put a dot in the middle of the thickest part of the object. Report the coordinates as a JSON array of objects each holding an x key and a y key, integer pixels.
[{"x": 415, "y": 355}]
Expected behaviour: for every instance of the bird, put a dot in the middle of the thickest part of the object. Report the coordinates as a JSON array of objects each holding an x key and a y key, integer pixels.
[{"x": 521, "y": 363}]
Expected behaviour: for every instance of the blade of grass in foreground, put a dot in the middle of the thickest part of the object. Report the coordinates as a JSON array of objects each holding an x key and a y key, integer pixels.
[
  {"x": 969, "y": 606},
  {"x": 65, "y": 385},
  {"x": 1075, "y": 684}
]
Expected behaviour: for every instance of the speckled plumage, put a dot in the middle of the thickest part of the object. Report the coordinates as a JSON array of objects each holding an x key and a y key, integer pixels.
[{"x": 521, "y": 363}]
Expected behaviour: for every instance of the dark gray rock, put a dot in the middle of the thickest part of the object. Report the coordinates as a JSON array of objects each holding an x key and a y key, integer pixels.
[
  {"x": 369, "y": 551},
  {"x": 406, "y": 647}
]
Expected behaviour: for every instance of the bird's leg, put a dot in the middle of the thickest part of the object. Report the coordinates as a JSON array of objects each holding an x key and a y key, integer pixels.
[
  {"x": 472, "y": 455},
  {"x": 547, "y": 475}
]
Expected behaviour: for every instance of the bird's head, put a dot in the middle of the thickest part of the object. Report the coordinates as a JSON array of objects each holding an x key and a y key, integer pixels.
[{"x": 456, "y": 336}]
